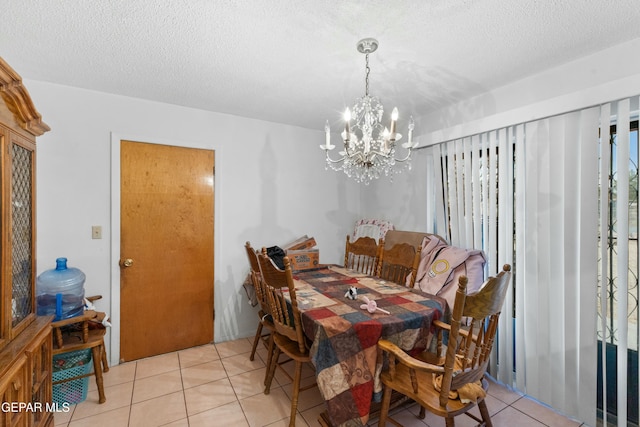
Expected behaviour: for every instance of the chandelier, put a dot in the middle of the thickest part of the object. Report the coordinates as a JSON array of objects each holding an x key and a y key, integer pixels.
[{"x": 369, "y": 147}]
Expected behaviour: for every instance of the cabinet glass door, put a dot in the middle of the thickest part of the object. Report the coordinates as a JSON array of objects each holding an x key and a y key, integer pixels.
[{"x": 21, "y": 232}]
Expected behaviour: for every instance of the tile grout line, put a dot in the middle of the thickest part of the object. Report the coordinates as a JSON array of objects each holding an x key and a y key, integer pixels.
[
  {"x": 234, "y": 390},
  {"x": 133, "y": 388},
  {"x": 184, "y": 395},
  {"x": 523, "y": 413}
]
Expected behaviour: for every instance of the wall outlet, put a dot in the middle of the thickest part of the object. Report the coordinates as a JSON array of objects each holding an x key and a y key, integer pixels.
[{"x": 96, "y": 232}]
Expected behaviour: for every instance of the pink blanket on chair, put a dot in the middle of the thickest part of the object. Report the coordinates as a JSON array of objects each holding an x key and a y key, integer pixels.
[{"x": 441, "y": 265}]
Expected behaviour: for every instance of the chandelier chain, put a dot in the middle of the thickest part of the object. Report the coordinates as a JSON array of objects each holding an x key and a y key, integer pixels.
[{"x": 366, "y": 79}]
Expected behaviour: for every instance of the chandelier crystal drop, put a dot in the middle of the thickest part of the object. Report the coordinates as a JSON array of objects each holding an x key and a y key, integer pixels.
[{"x": 369, "y": 147}]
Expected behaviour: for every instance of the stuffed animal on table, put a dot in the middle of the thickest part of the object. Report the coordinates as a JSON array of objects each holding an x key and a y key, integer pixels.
[
  {"x": 352, "y": 293},
  {"x": 371, "y": 306}
]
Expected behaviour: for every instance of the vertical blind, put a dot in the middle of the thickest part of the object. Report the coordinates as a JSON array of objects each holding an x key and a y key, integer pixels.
[{"x": 529, "y": 195}]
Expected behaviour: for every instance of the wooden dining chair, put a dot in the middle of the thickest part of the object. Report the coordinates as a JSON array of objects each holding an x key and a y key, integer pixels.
[
  {"x": 362, "y": 255},
  {"x": 398, "y": 263},
  {"x": 264, "y": 315},
  {"x": 288, "y": 337},
  {"x": 82, "y": 333},
  {"x": 455, "y": 383}
]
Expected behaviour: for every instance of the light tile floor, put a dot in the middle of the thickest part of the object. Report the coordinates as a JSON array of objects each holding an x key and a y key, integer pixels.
[{"x": 217, "y": 385}]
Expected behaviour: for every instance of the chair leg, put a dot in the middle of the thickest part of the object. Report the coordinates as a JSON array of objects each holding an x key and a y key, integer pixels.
[
  {"x": 272, "y": 369},
  {"x": 384, "y": 409},
  {"x": 256, "y": 340},
  {"x": 422, "y": 413},
  {"x": 105, "y": 363},
  {"x": 295, "y": 393},
  {"x": 97, "y": 370},
  {"x": 449, "y": 422},
  {"x": 270, "y": 349},
  {"x": 484, "y": 412}
]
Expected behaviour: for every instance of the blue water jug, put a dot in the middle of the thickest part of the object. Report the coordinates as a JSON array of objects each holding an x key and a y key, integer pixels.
[{"x": 60, "y": 291}]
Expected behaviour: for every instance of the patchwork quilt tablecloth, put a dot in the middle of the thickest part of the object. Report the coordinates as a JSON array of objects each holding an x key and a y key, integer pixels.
[{"x": 345, "y": 336}]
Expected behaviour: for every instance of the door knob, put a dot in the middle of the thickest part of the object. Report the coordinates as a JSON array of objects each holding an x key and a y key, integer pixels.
[{"x": 126, "y": 262}]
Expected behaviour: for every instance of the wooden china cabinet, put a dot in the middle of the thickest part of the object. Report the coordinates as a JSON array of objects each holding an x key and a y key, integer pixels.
[{"x": 25, "y": 339}]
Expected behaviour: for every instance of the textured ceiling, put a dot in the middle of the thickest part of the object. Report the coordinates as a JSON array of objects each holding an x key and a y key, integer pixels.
[{"x": 296, "y": 61}]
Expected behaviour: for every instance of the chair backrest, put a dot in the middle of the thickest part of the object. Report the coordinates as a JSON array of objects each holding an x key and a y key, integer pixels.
[
  {"x": 280, "y": 291},
  {"x": 398, "y": 263},
  {"x": 468, "y": 351},
  {"x": 256, "y": 279},
  {"x": 374, "y": 228},
  {"x": 75, "y": 333},
  {"x": 362, "y": 255},
  {"x": 253, "y": 257},
  {"x": 414, "y": 238}
]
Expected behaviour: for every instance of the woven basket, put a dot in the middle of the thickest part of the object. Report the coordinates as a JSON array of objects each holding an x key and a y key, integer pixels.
[{"x": 69, "y": 365}]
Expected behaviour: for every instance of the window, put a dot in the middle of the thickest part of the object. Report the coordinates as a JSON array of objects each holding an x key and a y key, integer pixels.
[{"x": 610, "y": 336}]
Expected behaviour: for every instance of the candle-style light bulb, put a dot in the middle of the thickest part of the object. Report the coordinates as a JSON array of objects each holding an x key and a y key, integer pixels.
[
  {"x": 327, "y": 131},
  {"x": 409, "y": 144},
  {"x": 394, "y": 118},
  {"x": 347, "y": 119},
  {"x": 411, "y": 126},
  {"x": 385, "y": 139}
]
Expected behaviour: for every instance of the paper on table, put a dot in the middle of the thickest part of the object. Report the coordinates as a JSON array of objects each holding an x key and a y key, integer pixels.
[
  {"x": 315, "y": 299},
  {"x": 346, "y": 271},
  {"x": 381, "y": 286},
  {"x": 310, "y": 297}
]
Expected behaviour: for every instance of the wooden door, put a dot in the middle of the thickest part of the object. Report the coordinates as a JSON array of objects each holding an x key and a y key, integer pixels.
[{"x": 166, "y": 248}]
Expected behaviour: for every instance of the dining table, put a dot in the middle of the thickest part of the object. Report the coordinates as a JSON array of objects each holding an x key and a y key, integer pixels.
[{"x": 344, "y": 329}]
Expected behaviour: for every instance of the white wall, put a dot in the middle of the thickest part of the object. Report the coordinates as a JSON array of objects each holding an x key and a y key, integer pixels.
[
  {"x": 265, "y": 193},
  {"x": 271, "y": 186},
  {"x": 602, "y": 77}
]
